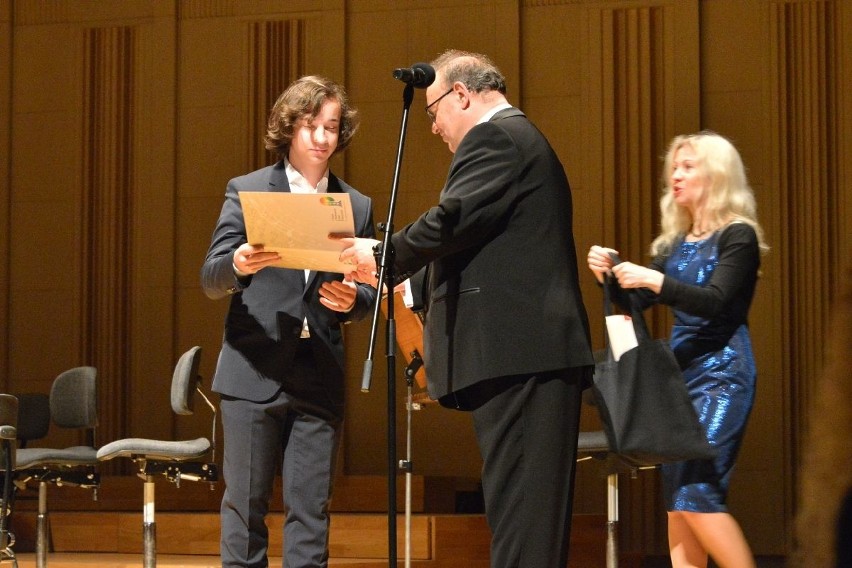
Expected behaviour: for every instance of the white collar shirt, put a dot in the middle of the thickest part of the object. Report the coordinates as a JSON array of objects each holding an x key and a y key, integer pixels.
[
  {"x": 490, "y": 114},
  {"x": 298, "y": 184}
]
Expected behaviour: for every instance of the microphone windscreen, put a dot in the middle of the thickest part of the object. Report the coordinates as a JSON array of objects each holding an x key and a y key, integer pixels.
[{"x": 428, "y": 75}]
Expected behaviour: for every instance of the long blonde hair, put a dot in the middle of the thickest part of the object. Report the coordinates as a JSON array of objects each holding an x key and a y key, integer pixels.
[{"x": 728, "y": 197}]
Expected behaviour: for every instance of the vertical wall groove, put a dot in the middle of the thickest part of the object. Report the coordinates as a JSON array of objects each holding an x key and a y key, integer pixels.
[
  {"x": 807, "y": 147},
  {"x": 107, "y": 189},
  {"x": 634, "y": 105},
  {"x": 276, "y": 58},
  {"x": 638, "y": 108}
]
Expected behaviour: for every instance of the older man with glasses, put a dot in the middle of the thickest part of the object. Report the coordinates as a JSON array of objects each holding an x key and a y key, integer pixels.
[{"x": 506, "y": 334}]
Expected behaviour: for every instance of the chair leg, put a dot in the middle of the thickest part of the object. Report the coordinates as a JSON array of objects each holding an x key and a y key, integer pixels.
[
  {"x": 612, "y": 521},
  {"x": 42, "y": 526},
  {"x": 149, "y": 525}
]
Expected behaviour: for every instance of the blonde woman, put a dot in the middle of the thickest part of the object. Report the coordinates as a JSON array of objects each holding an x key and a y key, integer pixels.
[{"x": 705, "y": 268}]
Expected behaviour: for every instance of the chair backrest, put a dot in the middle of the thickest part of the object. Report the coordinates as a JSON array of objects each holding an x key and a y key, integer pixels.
[
  {"x": 8, "y": 433},
  {"x": 33, "y": 417},
  {"x": 74, "y": 399},
  {"x": 8, "y": 416},
  {"x": 185, "y": 380}
]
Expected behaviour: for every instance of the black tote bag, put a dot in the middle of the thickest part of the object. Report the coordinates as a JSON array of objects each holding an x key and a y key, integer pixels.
[{"x": 643, "y": 402}]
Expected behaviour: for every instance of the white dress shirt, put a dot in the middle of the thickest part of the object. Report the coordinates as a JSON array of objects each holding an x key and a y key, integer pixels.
[{"x": 298, "y": 184}]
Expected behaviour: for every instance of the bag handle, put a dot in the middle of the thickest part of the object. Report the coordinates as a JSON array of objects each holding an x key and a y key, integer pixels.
[
  {"x": 636, "y": 313},
  {"x": 609, "y": 280}
]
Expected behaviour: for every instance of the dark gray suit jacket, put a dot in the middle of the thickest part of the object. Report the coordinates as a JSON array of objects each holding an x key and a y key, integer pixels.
[
  {"x": 265, "y": 316},
  {"x": 502, "y": 293}
]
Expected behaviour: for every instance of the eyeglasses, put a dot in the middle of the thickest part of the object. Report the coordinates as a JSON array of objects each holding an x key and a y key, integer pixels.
[{"x": 433, "y": 115}]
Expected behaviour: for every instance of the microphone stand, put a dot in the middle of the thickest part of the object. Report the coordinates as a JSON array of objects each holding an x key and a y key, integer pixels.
[{"x": 384, "y": 262}]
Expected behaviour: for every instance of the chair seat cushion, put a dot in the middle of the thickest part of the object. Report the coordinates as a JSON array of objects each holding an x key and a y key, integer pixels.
[
  {"x": 592, "y": 443},
  {"x": 155, "y": 449},
  {"x": 28, "y": 458}
]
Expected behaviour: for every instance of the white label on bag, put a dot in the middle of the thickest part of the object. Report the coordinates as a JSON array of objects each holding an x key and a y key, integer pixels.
[{"x": 622, "y": 336}]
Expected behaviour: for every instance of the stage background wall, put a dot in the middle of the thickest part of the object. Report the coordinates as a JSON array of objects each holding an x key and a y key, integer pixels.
[{"x": 121, "y": 123}]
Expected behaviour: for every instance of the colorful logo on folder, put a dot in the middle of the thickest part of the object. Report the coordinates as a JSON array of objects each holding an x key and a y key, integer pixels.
[{"x": 330, "y": 201}]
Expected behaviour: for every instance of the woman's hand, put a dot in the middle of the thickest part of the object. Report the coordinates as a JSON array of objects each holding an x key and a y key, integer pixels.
[
  {"x": 600, "y": 262},
  {"x": 631, "y": 275}
]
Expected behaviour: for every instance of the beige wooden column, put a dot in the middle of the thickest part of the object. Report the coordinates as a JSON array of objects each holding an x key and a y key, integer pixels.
[
  {"x": 810, "y": 131},
  {"x": 5, "y": 182}
]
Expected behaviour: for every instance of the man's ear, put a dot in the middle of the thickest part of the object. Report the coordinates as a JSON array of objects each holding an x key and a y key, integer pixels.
[{"x": 462, "y": 91}]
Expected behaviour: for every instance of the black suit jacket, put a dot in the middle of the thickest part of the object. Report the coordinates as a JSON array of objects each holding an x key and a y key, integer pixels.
[
  {"x": 265, "y": 316},
  {"x": 502, "y": 292}
]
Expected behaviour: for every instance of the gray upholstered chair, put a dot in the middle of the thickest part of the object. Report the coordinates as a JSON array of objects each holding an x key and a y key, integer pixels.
[
  {"x": 190, "y": 459},
  {"x": 72, "y": 404},
  {"x": 8, "y": 434},
  {"x": 33, "y": 417}
]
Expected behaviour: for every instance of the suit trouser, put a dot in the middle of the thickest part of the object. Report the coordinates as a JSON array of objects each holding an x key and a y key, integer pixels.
[
  {"x": 257, "y": 435},
  {"x": 527, "y": 431}
]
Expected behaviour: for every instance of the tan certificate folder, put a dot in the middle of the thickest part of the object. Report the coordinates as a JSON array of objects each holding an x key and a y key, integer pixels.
[{"x": 297, "y": 227}]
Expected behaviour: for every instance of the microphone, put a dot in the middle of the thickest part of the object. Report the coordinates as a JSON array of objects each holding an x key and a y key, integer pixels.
[{"x": 419, "y": 75}]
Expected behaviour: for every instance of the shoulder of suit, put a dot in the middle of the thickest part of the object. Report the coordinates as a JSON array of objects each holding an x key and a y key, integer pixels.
[
  {"x": 508, "y": 113},
  {"x": 260, "y": 178},
  {"x": 337, "y": 185}
]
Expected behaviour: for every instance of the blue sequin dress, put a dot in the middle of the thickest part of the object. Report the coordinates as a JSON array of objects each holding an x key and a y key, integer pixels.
[{"x": 716, "y": 356}]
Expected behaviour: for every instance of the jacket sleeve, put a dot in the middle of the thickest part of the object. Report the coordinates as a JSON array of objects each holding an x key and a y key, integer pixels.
[{"x": 218, "y": 278}]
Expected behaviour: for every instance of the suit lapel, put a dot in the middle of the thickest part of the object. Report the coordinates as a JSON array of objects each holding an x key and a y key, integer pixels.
[
  {"x": 333, "y": 187},
  {"x": 278, "y": 181},
  {"x": 278, "y": 178}
]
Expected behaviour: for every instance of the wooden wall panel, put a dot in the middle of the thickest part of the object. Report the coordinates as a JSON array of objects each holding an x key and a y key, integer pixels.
[
  {"x": 90, "y": 86},
  {"x": 44, "y": 179},
  {"x": 5, "y": 180},
  {"x": 608, "y": 81},
  {"x": 806, "y": 144},
  {"x": 276, "y": 59},
  {"x": 155, "y": 346},
  {"x": 107, "y": 184},
  {"x": 806, "y": 147}
]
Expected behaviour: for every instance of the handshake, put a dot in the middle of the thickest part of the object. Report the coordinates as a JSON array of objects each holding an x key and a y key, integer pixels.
[{"x": 360, "y": 252}]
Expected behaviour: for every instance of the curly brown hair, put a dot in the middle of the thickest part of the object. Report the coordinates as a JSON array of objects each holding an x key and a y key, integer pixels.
[{"x": 304, "y": 98}]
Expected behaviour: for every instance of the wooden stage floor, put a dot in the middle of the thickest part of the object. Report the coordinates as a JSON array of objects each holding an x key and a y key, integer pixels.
[
  {"x": 91, "y": 560},
  {"x": 111, "y": 560}
]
